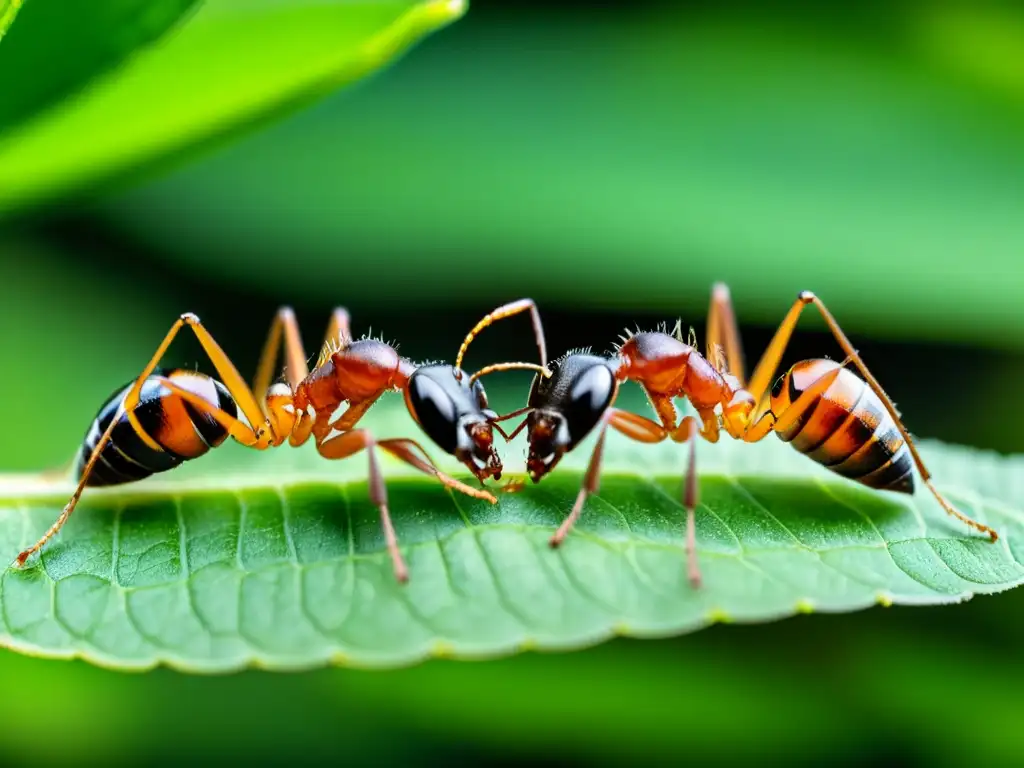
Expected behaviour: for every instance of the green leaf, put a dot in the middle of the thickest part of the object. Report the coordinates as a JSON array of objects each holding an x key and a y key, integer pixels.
[
  {"x": 66, "y": 43},
  {"x": 8, "y": 10},
  {"x": 234, "y": 64},
  {"x": 276, "y": 559}
]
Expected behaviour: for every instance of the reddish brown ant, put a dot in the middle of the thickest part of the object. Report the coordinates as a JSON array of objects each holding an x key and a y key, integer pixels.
[
  {"x": 822, "y": 408},
  {"x": 165, "y": 417}
]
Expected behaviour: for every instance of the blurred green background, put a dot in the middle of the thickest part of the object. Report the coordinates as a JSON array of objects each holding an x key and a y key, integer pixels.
[{"x": 610, "y": 163}]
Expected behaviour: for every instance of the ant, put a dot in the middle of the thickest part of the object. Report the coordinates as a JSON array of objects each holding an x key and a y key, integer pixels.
[
  {"x": 842, "y": 421},
  {"x": 166, "y": 417}
]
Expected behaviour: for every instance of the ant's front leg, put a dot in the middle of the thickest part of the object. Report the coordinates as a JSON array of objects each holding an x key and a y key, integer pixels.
[
  {"x": 642, "y": 430},
  {"x": 349, "y": 443}
]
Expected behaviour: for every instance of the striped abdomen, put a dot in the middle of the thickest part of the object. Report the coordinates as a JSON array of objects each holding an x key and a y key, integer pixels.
[
  {"x": 178, "y": 428},
  {"x": 846, "y": 428}
]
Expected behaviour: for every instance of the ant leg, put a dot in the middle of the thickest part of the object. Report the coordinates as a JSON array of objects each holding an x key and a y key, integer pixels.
[
  {"x": 238, "y": 429},
  {"x": 723, "y": 334},
  {"x": 646, "y": 431},
  {"x": 405, "y": 449},
  {"x": 773, "y": 355},
  {"x": 340, "y": 326},
  {"x": 508, "y": 310},
  {"x": 353, "y": 414},
  {"x": 284, "y": 328},
  {"x": 642, "y": 430},
  {"x": 229, "y": 376},
  {"x": 667, "y": 413},
  {"x": 768, "y": 422},
  {"x": 691, "y": 497},
  {"x": 591, "y": 483},
  {"x": 305, "y": 426},
  {"x": 349, "y": 443},
  {"x": 338, "y": 336},
  {"x": 632, "y": 426},
  {"x": 346, "y": 445}
]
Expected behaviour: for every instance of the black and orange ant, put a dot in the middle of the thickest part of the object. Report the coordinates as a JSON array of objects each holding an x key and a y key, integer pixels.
[
  {"x": 822, "y": 408},
  {"x": 166, "y": 417}
]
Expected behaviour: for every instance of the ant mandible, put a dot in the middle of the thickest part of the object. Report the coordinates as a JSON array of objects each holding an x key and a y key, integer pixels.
[
  {"x": 166, "y": 417},
  {"x": 844, "y": 422}
]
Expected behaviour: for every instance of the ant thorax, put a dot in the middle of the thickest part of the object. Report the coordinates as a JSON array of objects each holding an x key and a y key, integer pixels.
[
  {"x": 354, "y": 372},
  {"x": 664, "y": 365}
]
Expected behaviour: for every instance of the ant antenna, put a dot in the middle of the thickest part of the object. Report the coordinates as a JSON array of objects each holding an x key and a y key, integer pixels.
[
  {"x": 507, "y": 310},
  {"x": 542, "y": 370}
]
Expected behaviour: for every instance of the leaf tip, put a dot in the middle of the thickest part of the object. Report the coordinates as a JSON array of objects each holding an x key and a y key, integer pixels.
[{"x": 446, "y": 10}]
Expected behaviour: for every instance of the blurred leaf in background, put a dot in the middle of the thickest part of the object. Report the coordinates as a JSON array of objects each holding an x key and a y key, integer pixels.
[
  {"x": 66, "y": 43},
  {"x": 8, "y": 10},
  {"x": 627, "y": 160},
  {"x": 232, "y": 65}
]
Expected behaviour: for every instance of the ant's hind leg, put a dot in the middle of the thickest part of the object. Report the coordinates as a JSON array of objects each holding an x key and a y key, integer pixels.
[
  {"x": 769, "y": 363},
  {"x": 642, "y": 430},
  {"x": 229, "y": 376},
  {"x": 723, "y": 334},
  {"x": 284, "y": 331},
  {"x": 632, "y": 426}
]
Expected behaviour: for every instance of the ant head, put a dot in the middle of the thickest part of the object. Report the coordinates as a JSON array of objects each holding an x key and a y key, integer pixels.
[
  {"x": 548, "y": 435},
  {"x": 565, "y": 408},
  {"x": 451, "y": 408}
]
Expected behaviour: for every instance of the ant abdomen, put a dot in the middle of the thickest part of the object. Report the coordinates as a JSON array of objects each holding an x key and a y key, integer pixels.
[
  {"x": 846, "y": 428},
  {"x": 173, "y": 430}
]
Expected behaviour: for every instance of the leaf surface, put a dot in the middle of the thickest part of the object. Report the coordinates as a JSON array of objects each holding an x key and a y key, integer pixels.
[
  {"x": 276, "y": 559},
  {"x": 234, "y": 64}
]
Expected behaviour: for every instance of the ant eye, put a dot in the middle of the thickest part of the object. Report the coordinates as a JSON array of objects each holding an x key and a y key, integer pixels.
[{"x": 434, "y": 409}]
